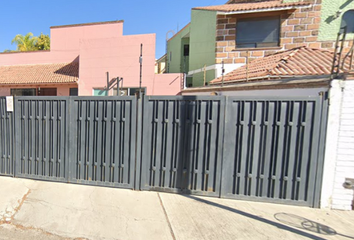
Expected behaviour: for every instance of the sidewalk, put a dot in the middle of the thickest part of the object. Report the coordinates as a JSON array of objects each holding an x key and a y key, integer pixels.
[{"x": 44, "y": 210}]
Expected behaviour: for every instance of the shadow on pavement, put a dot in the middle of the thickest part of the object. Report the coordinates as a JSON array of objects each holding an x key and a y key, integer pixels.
[
  {"x": 257, "y": 218},
  {"x": 306, "y": 224}
]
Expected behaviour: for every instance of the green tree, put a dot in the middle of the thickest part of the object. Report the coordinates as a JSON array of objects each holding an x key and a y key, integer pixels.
[
  {"x": 42, "y": 43},
  {"x": 25, "y": 43}
]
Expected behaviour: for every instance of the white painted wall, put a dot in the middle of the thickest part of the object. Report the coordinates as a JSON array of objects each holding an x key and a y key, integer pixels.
[
  {"x": 294, "y": 92},
  {"x": 343, "y": 198},
  {"x": 339, "y": 158}
]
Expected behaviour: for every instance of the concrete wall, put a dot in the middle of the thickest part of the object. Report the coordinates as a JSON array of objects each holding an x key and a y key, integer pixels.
[{"x": 339, "y": 160}]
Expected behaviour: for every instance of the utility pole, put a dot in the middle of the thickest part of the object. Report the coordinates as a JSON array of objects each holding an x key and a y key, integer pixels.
[{"x": 141, "y": 67}]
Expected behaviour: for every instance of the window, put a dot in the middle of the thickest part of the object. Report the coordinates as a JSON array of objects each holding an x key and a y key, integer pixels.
[
  {"x": 186, "y": 50},
  {"x": 258, "y": 32},
  {"x": 128, "y": 91},
  {"x": 99, "y": 92},
  {"x": 23, "y": 92},
  {"x": 74, "y": 91}
]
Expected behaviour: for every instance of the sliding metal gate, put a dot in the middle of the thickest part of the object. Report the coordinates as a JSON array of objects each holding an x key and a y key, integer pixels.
[
  {"x": 271, "y": 149},
  {"x": 263, "y": 149},
  {"x": 102, "y": 142}
]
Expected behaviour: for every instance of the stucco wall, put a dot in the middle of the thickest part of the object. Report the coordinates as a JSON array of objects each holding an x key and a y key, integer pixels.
[
  {"x": 120, "y": 57},
  {"x": 68, "y": 38},
  {"x": 167, "y": 84},
  {"x": 174, "y": 46},
  {"x": 329, "y": 24},
  {"x": 202, "y": 43}
]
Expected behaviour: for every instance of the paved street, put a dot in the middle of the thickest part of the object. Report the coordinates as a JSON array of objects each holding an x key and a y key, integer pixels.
[{"x": 44, "y": 210}]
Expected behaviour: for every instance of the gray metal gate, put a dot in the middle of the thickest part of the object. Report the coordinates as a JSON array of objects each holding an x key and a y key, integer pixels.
[
  {"x": 42, "y": 137},
  {"x": 102, "y": 146},
  {"x": 6, "y": 140},
  {"x": 182, "y": 144},
  {"x": 263, "y": 149},
  {"x": 271, "y": 149}
]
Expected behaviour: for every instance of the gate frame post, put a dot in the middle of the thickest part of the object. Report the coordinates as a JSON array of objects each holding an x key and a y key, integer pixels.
[
  {"x": 138, "y": 144},
  {"x": 323, "y": 104}
]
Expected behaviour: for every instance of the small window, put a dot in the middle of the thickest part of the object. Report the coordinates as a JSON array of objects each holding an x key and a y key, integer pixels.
[
  {"x": 258, "y": 32},
  {"x": 74, "y": 91},
  {"x": 23, "y": 92},
  {"x": 186, "y": 50},
  {"x": 99, "y": 92},
  {"x": 128, "y": 91}
]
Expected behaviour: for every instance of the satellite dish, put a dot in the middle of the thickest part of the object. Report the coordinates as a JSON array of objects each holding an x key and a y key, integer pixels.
[{"x": 348, "y": 21}]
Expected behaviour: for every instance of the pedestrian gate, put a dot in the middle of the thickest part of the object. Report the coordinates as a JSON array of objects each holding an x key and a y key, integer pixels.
[{"x": 263, "y": 149}]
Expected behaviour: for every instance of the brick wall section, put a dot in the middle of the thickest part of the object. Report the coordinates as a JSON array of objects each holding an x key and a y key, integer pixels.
[
  {"x": 343, "y": 198},
  {"x": 298, "y": 28}
]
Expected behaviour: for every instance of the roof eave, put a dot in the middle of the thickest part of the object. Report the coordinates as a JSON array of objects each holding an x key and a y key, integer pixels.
[{"x": 275, "y": 9}]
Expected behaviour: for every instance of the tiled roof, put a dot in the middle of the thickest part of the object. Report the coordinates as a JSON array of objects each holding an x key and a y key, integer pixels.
[
  {"x": 296, "y": 62},
  {"x": 235, "y": 7},
  {"x": 40, "y": 73}
]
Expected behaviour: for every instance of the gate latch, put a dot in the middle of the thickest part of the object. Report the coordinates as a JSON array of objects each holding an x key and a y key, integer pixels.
[{"x": 349, "y": 183}]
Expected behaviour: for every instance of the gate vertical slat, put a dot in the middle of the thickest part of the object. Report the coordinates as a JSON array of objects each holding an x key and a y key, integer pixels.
[
  {"x": 267, "y": 162},
  {"x": 292, "y": 151},
  {"x": 168, "y": 158},
  {"x": 201, "y": 146},
  {"x": 244, "y": 160},
  {"x": 277, "y": 174},
  {"x": 257, "y": 126}
]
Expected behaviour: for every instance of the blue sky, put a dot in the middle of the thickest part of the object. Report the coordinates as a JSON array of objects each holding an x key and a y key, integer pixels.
[{"x": 154, "y": 16}]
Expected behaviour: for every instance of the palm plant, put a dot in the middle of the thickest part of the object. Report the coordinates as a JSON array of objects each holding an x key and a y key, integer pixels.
[{"x": 25, "y": 43}]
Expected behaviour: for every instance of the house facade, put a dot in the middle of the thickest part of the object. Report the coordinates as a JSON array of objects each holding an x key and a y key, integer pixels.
[
  {"x": 222, "y": 38},
  {"x": 80, "y": 57}
]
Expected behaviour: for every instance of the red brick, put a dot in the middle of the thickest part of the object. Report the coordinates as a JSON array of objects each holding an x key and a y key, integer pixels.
[
  {"x": 240, "y": 60},
  {"x": 292, "y": 34},
  {"x": 221, "y": 55},
  {"x": 306, "y": 21},
  {"x": 305, "y": 34},
  {"x": 293, "y": 21},
  {"x": 298, "y": 40},
  {"x": 311, "y": 39},
  {"x": 286, "y": 40},
  {"x": 228, "y": 38},
  {"x": 315, "y": 45},
  {"x": 257, "y": 54},
  {"x": 221, "y": 44},
  {"x": 301, "y": 15},
  {"x": 313, "y": 26}
]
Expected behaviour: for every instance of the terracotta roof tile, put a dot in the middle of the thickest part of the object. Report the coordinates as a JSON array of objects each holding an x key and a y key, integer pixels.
[
  {"x": 40, "y": 73},
  {"x": 235, "y": 7},
  {"x": 296, "y": 62}
]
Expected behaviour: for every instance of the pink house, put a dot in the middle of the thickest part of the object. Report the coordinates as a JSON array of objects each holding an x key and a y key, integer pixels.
[{"x": 78, "y": 62}]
